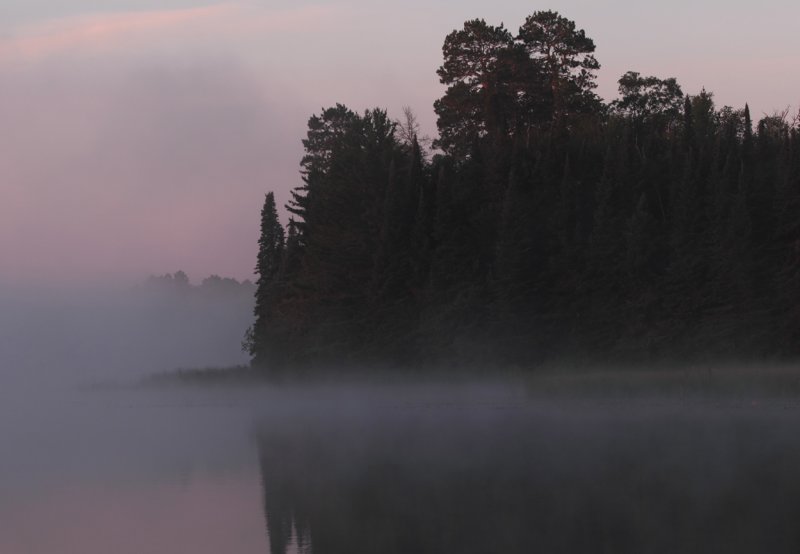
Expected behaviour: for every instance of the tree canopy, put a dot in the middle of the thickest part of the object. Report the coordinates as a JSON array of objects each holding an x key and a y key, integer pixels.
[{"x": 545, "y": 223}]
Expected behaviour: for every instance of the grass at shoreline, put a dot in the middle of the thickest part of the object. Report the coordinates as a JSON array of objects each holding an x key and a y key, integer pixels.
[{"x": 701, "y": 380}]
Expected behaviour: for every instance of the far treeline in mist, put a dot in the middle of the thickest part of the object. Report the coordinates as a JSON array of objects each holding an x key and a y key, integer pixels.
[{"x": 541, "y": 224}]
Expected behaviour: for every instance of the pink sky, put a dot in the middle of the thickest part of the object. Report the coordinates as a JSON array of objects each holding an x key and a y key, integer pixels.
[{"x": 140, "y": 141}]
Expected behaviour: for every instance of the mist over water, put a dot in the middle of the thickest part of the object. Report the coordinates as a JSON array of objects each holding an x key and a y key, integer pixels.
[
  {"x": 504, "y": 465},
  {"x": 557, "y": 214},
  {"x": 506, "y": 473},
  {"x": 126, "y": 471},
  {"x": 62, "y": 337},
  {"x": 470, "y": 467},
  {"x": 113, "y": 469}
]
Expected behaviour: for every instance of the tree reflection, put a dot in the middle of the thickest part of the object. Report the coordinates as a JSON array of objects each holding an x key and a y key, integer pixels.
[{"x": 523, "y": 482}]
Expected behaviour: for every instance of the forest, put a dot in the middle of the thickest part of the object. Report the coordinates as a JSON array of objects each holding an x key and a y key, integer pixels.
[{"x": 542, "y": 224}]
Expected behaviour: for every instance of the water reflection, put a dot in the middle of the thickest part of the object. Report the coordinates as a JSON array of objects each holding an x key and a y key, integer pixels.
[
  {"x": 580, "y": 478},
  {"x": 205, "y": 514},
  {"x": 129, "y": 472},
  {"x": 393, "y": 470}
]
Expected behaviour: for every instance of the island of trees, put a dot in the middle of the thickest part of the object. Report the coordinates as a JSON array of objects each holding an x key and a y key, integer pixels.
[{"x": 541, "y": 224}]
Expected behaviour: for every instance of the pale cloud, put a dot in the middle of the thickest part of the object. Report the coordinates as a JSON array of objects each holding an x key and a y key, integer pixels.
[
  {"x": 142, "y": 142},
  {"x": 101, "y": 33}
]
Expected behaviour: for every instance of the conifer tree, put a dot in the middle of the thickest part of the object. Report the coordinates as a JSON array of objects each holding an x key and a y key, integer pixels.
[
  {"x": 519, "y": 251},
  {"x": 566, "y": 56},
  {"x": 688, "y": 124},
  {"x": 268, "y": 265},
  {"x": 477, "y": 71},
  {"x": 549, "y": 222},
  {"x": 747, "y": 144}
]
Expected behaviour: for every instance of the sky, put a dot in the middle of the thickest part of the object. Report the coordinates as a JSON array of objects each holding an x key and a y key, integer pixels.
[{"x": 140, "y": 136}]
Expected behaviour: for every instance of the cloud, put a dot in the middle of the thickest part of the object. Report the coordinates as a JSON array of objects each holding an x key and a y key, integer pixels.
[{"x": 98, "y": 33}]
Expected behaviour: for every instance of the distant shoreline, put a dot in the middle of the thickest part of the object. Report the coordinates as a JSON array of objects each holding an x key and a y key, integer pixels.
[{"x": 748, "y": 382}]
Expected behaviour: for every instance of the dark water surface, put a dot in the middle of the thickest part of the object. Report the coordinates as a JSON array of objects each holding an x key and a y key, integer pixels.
[{"x": 405, "y": 469}]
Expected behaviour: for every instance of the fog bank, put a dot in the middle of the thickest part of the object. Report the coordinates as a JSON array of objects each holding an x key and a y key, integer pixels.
[{"x": 75, "y": 337}]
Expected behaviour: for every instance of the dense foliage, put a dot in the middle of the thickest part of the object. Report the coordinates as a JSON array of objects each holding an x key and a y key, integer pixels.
[{"x": 546, "y": 223}]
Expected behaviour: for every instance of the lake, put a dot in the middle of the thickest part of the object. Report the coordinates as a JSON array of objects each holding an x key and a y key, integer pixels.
[{"x": 394, "y": 468}]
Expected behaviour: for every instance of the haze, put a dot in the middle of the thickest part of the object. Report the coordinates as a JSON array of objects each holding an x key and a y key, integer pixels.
[
  {"x": 51, "y": 338},
  {"x": 140, "y": 137}
]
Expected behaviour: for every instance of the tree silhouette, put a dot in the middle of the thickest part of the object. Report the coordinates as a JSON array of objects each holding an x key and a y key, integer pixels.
[
  {"x": 547, "y": 225},
  {"x": 270, "y": 256}
]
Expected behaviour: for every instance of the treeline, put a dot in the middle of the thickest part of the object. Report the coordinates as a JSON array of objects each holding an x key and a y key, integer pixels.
[
  {"x": 543, "y": 224},
  {"x": 178, "y": 284}
]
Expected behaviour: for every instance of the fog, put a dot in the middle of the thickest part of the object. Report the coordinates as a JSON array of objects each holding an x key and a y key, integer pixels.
[
  {"x": 94, "y": 460},
  {"x": 59, "y": 337},
  {"x": 495, "y": 471},
  {"x": 89, "y": 461},
  {"x": 471, "y": 467}
]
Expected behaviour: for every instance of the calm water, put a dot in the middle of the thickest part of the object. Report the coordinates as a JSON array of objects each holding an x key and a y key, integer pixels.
[{"x": 393, "y": 469}]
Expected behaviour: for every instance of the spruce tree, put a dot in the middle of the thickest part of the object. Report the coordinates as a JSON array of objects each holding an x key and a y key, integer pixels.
[
  {"x": 268, "y": 265},
  {"x": 683, "y": 235}
]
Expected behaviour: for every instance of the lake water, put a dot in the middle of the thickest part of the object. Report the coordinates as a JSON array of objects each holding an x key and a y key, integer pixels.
[{"x": 405, "y": 469}]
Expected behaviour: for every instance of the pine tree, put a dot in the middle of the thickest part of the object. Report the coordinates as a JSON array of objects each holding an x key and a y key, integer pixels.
[
  {"x": 555, "y": 222},
  {"x": 566, "y": 56},
  {"x": 477, "y": 71}
]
